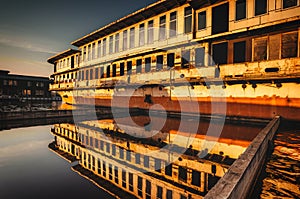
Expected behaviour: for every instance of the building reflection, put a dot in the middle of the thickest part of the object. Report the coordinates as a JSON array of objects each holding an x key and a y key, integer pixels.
[{"x": 146, "y": 160}]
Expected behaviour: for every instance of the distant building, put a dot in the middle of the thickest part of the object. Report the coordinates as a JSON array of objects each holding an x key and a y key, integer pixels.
[{"x": 20, "y": 87}]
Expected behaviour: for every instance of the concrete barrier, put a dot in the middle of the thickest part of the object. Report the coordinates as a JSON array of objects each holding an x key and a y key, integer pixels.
[{"x": 240, "y": 179}]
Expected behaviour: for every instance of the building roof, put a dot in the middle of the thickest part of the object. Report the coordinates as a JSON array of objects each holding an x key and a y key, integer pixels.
[
  {"x": 140, "y": 15},
  {"x": 61, "y": 55},
  {"x": 22, "y": 77}
]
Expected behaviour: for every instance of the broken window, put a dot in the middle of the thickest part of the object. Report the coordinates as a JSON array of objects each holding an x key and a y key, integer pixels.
[
  {"x": 240, "y": 9},
  {"x": 260, "y": 49},
  {"x": 260, "y": 7},
  {"x": 289, "y": 45}
]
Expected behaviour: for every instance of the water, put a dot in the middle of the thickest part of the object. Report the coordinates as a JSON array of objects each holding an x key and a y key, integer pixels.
[
  {"x": 173, "y": 160},
  {"x": 28, "y": 169},
  {"x": 282, "y": 176}
]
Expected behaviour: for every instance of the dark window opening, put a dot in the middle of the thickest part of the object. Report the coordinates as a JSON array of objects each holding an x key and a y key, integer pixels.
[
  {"x": 87, "y": 75},
  {"x": 220, "y": 18},
  {"x": 139, "y": 66},
  {"x": 196, "y": 178},
  {"x": 148, "y": 189},
  {"x": 289, "y": 3},
  {"x": 116, "y": 175},
  {"x": 171, "y": 60},
  {"x": 108, "y": 71},
  {"x": 169, "y": 194},
  {"x": 130, "y": 182},
  {"x": 168, "y": 170},
  {"x": 182, "y": 174},
  {"x": 148, "y": 64},
  {"x": 140, "y": 186},
  {"x": 129, "y": 67},
  {"x": 96, "y": 73},
  {"x": 72, "y": 62},
  {"x": 91, "y": 74},
  {"x": 137, "y": 158},
  {"x": 185, "y": 59},
  {"x": 159, "y": 62},
  {"x": 199, "y": 56},
  {"x": 102, "y": 72},
  {"x": 122, "y": 68},
  {"x": 239, "y": 52},
  {"x": 146, "y": 161},
  {"x": 220, "y": 53},
  {"x": 240, "y": 9},
  {"x": 114, "y": 70},
  {"x": 159, "y": 192},
  {"x": 123, "y": 178},
  {"x": 201, "y": 20},
  {"x": 261, "y": 7}
]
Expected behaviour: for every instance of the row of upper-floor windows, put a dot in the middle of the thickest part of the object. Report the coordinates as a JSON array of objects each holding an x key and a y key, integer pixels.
[
  {"x": 69, "y": 62},
  {"x": 7, "y": 82},
  {"x": 167, "y": 27}
]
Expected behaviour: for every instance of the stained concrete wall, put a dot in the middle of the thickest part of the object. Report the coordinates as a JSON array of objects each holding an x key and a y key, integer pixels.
[{"x": 238, "y": 182}]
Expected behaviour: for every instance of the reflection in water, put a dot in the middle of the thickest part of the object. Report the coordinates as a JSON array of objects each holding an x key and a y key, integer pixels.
[
  {"x": 283, "y": 169},
  {"x": 145, "y": 159}
]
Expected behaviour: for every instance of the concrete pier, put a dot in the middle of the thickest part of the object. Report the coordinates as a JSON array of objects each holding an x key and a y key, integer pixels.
[{"x": 240, "y": 179}]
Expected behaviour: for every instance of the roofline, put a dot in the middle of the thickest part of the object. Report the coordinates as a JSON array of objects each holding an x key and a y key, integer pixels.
[
  {"x": 60, "y": 55},
  {"x": 79, "y": 42}
]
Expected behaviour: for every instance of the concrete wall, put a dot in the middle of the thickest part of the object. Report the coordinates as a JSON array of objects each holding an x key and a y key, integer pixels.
[{"x": 238, "y": 182}]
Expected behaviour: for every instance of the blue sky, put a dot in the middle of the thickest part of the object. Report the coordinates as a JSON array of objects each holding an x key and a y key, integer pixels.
[{"x": 33, "y": 30}]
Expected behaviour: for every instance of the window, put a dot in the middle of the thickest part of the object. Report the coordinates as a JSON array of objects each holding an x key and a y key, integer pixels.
[
  {"x": 260, "y": 7},
  {"x": 128, "y": 155},
  {"x": 182, "y": 174},
  {"x": 96, "y": 73},
  {"x": 173, "y": 24},
  {"x": 157, "y": 165},
  {"x": 289, "y": 3},
  {"x": 169, "y": 194},
  {"x": 289, "y": 45},
  {"x": 113, "y": 150},
  {"x": 121, "y": 152},
  {"x": 123, "y": 178},
  {"x": 108, "y": 71},
  {"x": 116, "y": 175},
  {"x": 260, "y": 49},
  {"x": 132, "y": 38},
  {"x": 99, "y": 166},
  {"x": 220, "y": 18},
  {"x": 150, "y": 32},
  {"x": 185, "y": 59},
  {"x": 196, "y": 178},
  {"x": 182, "y": 196},
  {"x": 139, "y": 66},
  {"x": 274, "y": 46},
  {"x": 199, "y": 56},
  {"x": 84, "y": 55},
  {"x": 114, "y": 70},
  {"x": 117, "y": 43},
  {"x": 108, "y": 147},
  {"x": 104, "y": 168},
  {"x": 239, "y": 52},
  {"x": 82, "y": 74},
  {"x": 110, "y": 172},
  {"x": 220, "y": 53},
  {"x": 142, "y": 35},
  {"x": 104, "y": 47},
  {"x": 87, "y": 75},
  {"x": 140, "y": 186},
  {"x": 137, "y": 158},
  {"x": 129, "y": 67},
  {"x": 146, "y": 161},
  {"x": 240, "y": 9},
  {"x": 91, "y": 74},
  {"x": 111, "y": 44},
  {"x": 89, "y": 54},
  {"x": 159, "y": 192},
  {"x": 171, "y": 60},
  {"x": 168, "y": 170},
  {"x": 148, "y": 64},
  {"x": 148, "y": 189},
  {"x": 94, "y": 51},
  {"x": 122, "y": 67},
  {"x": 188, "y": 19},
  {"x": 130, "y": 181},
  {"x": 102, "y": 72},
  {"x": 162, "y": 28},
  {"x": 201, "y": 20},
  {"x": 159, "y": 62},
  {"x": 125, "y": 40},
  {"x": 99, "y": 49}
]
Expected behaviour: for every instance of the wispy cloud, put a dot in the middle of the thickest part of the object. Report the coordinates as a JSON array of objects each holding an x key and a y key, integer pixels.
[{"x": 25, "y": 45}]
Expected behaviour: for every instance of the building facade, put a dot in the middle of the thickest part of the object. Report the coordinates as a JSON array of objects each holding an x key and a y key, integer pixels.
[
  {"x": 21, "y": 87},
  {"x": 239, "y": 55}
]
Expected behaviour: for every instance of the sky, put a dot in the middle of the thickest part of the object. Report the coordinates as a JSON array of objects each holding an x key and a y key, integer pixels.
[{"x": 31, "y": 31}]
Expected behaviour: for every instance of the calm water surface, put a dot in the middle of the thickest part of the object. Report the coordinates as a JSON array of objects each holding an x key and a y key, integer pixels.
[{"x": 28, "y": 169}]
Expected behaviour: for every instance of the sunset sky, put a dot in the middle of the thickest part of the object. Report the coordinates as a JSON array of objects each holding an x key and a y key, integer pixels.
[{"x": 31, "y": 31}]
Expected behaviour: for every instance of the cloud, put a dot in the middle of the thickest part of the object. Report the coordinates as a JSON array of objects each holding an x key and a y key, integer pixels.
[{"x": 25, "y": 45}]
